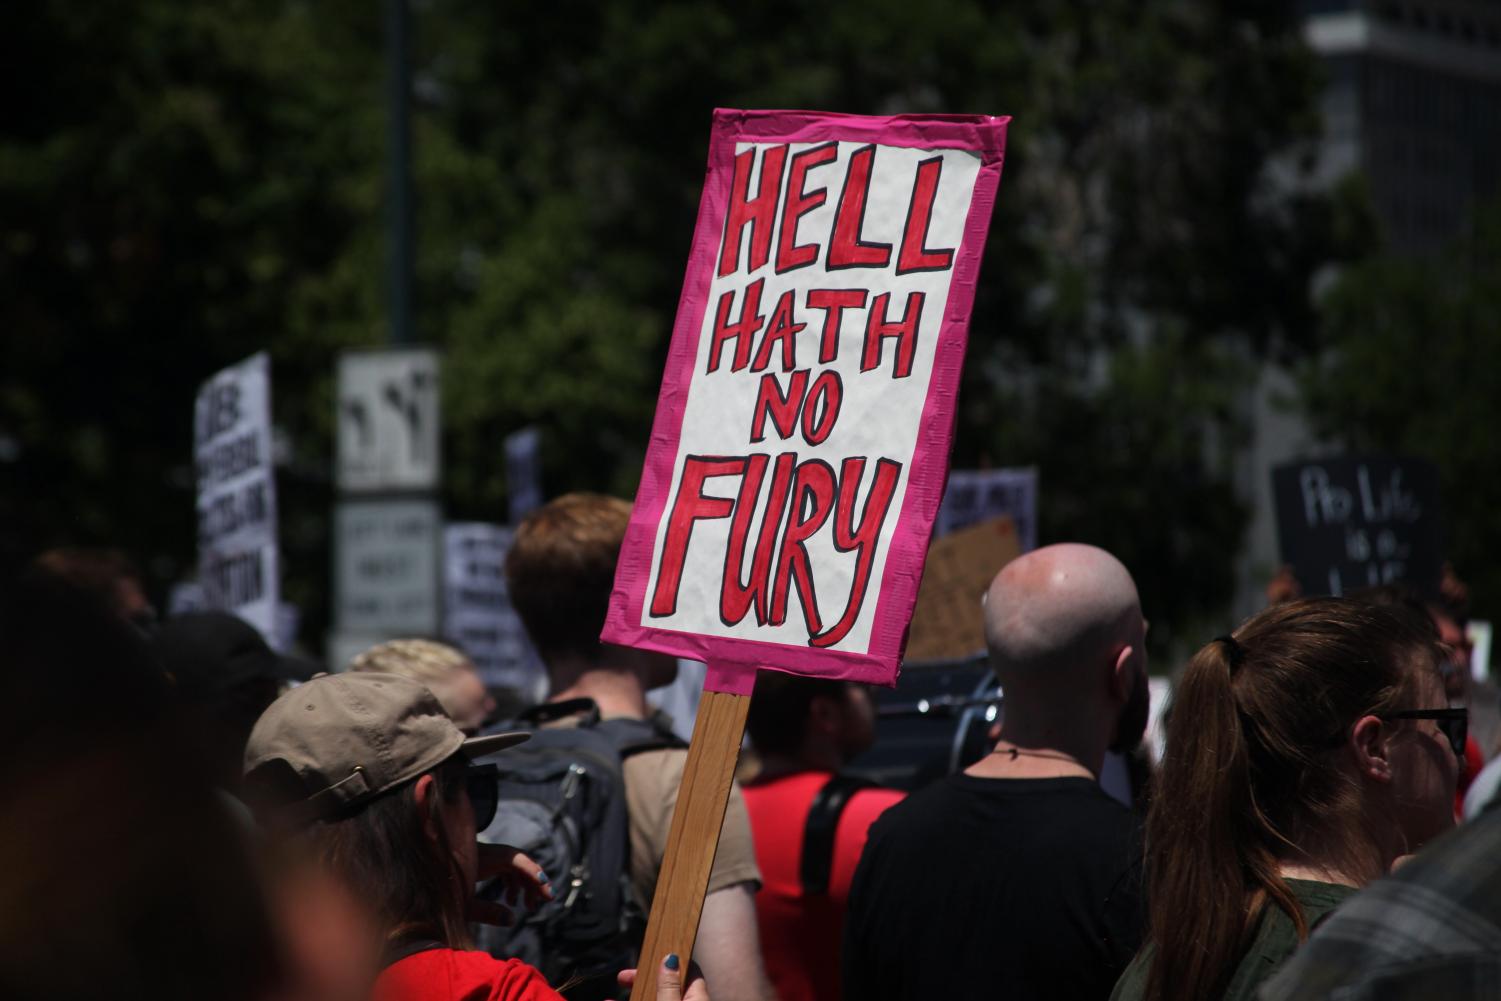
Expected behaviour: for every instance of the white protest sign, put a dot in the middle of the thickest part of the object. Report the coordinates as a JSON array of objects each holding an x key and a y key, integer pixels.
[
  {"x": 386, "y": 567},
  {"x": 388, "y": 420},
  {"x": 477, "y": 611},
  {"x": 802, "y": 433},
  {"x": 238, "y": 565},
  {"x": 524, "y": 472},
  {"x": 976, "y": 495}
]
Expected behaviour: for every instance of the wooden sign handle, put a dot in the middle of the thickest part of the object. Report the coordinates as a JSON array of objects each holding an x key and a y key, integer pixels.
[{"x": 693, "y": 837}]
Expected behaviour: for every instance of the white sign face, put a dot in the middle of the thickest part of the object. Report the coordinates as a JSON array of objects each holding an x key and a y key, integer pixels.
[
  {"x": 238, "y": 565},
  {"x": 810, "y": 379},
  {"x": 802, "y": 434},
  {"x": 976, "y": 495},
  {"x": 388, "y": 420},
  {"x": 524, "y": 472},
  {"x": 477, "y": 610},
  {"x": 386, "y": 567}
]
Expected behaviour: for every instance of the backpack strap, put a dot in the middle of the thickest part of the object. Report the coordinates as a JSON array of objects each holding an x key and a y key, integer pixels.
[
  {"x": 628, "y": 736},
  {"x": 818, "y": 834},
  {"x": 547, "y": 712}
]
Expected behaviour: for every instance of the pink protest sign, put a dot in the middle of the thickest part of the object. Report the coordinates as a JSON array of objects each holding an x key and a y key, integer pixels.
[{"x": 802, "y": 435}]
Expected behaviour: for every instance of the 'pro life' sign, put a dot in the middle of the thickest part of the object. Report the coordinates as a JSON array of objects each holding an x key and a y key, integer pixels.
[{"x": 1360, "y": 521}]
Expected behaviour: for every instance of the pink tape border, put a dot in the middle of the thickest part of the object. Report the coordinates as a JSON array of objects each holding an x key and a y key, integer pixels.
[{"x": 732, "y": 662}]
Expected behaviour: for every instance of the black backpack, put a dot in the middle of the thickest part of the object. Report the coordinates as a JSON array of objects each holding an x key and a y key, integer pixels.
[
  {"x": 562, "y": 802},
  {"x": 828, "y": 805}
]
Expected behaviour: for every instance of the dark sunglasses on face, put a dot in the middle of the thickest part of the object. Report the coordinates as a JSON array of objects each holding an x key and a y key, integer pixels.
[
  {"x": 1454, "y": 723},
  {"x": 482, "y": 784}
]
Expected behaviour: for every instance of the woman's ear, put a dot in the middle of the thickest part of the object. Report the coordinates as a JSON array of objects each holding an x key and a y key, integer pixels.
[
  {"x": 1368, "y": 740},
  {"x": 426, "y": 794}
]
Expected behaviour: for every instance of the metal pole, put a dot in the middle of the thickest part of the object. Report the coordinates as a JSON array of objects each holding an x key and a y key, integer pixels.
[{"x": 398, "y": 170}]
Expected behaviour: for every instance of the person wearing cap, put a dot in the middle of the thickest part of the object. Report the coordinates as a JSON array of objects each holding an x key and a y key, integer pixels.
[
  {"x": 370, "y": 775},
  {"x": 224, "y": 676}
]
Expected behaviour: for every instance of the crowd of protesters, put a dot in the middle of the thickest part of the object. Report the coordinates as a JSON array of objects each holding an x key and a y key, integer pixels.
[{"x": 189, "y": 814}]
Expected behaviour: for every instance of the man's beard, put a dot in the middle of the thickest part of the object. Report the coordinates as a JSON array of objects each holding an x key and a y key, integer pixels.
[{"x": 1131, "y": 724}]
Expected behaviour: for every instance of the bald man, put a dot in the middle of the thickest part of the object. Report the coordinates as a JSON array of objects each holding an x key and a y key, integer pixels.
[{"x": 1020, "y": 878}]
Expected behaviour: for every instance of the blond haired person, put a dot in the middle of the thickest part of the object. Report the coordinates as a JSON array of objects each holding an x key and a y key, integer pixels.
[{"x": 443, "y": 670}]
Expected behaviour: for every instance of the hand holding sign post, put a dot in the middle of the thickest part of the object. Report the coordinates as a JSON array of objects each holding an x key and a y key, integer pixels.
[{"x": 801, "y": 438}]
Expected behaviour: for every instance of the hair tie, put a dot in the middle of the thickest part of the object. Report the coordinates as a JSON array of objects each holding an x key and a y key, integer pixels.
[{"x": 1233, "y": 650}]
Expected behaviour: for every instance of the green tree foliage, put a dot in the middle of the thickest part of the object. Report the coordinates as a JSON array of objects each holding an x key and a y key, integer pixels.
[
  {"x": 1146, "y": 245},
  {"x": 1410, "y": 367},
  {"x": 196, "y": 182},
  {"x": 180, "y": 185}
]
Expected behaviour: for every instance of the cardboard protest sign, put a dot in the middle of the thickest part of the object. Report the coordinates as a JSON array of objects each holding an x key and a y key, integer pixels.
[
  {"x": 477, "y": 610},
  {"x": 802, "y": 434},
  {"x": 238, "y": 563},
  {"x": 976, "y": 495},
  {"x": 948, "y": 622},
  {"x": 1360, "y": 521}
]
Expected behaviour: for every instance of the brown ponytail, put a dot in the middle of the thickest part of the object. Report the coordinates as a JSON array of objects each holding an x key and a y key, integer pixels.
[{"x": 1250, "y": 773}]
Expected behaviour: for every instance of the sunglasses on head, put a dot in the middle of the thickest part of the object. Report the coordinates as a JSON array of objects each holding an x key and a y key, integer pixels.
[
  {"x": 482, "y": 784},
  {"x": 1454, "y": 723}
]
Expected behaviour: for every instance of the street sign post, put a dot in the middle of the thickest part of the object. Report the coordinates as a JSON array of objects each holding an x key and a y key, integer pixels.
[{"x": 388, "y": 421}]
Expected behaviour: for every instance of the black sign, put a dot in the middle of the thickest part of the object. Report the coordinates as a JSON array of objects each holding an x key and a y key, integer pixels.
[{"x": 1360, "y": 521}]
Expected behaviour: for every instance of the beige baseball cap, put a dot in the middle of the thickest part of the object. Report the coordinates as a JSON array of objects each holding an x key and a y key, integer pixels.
[{"x": 340, "y": 740}]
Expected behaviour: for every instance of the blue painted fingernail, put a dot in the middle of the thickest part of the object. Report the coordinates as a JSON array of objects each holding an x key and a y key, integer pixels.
[
  {"x": 542, "y": 877},
  {"x": 671, "y": 962}
]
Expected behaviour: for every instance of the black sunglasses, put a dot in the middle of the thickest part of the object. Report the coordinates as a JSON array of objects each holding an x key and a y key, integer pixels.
[
  {"x": 1455, "y": 723},
  {"x": 482, "y": 784}
]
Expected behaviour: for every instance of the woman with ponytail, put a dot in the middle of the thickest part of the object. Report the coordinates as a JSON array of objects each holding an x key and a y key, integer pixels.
[{"x": 1305, "y": 754}]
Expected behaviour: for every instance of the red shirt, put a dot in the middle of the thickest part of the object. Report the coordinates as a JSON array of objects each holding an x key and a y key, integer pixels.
[
  {"x": 455, "y": 975},
  {"x": 801, "y": 939}
]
